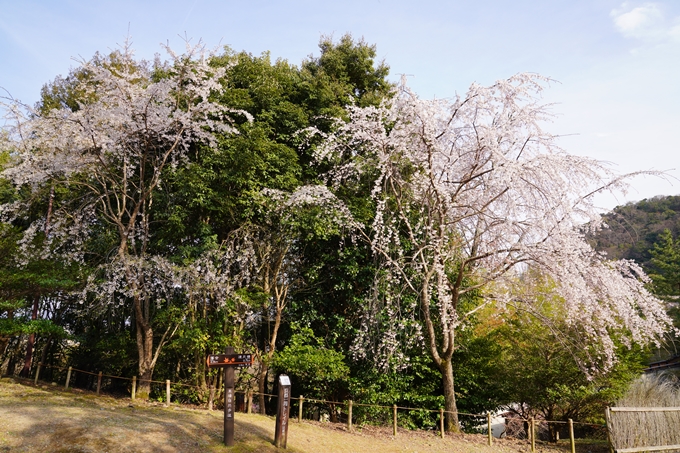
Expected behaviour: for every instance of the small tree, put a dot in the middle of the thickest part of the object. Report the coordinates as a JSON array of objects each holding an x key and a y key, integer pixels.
[
  {"x": 540, "y": 367},
  {"x": 288, "y": 218},
  {"x": 665, "y": 265},
  {"x": 317, "y": 371},
  {"x": 468, "y": 192}
]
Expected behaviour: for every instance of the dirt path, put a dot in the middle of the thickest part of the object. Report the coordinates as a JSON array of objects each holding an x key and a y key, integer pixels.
[{"x": 46, "y": 419}]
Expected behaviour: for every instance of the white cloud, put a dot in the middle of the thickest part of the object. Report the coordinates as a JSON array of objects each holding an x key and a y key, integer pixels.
[{"x": 646, "y": 22}]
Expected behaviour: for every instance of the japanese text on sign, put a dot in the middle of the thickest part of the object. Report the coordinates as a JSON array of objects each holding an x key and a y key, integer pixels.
[
  {"x": 230, "y": 403},
  {"x": 223, "y": 360}
]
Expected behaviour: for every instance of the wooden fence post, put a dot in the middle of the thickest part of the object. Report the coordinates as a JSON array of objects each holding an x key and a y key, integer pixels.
[
  {"x": 607, "y": 415},
  {"x": 99, "y": 382},
  {"x": 441, "y": 421},
  {"x": 488, "y": 424},
  {"x": 529, "y": 430},
  {"x": 134, "y": 387},
  {"x": 571, "y": 436},
  {"x": 533, "y": 434},
  {"x": 37, "y": 373},
  {"x": 167, "y": 392},
  {"x": 249, "y": 407},
  {"x": 302, "y": 401},
  {"x": 68, "y": 378},
  {"x": 211, "y": 397},
  {"x": 349, "y": 415},
  {"x": 394, "y": 419}
]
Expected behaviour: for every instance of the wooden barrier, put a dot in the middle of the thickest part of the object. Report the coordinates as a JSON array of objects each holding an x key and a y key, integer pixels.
[
  {"x": 249, "y": 394},
  {"x": 302, "y": 401},
  {"x": 349, "y": 415},
  {"x": 68, "y": 378},
  {"x": 488, "y": 426},
  {"x": 441, "y": 422}
]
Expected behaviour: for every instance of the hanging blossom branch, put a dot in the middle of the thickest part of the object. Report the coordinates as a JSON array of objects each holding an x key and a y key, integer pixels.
[
  {"x": 471, "y": 191},
  {"x": 287, "y": 206}
]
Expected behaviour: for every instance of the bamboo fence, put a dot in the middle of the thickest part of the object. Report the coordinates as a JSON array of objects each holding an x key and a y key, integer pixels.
[{"x": 644, "y": 429}]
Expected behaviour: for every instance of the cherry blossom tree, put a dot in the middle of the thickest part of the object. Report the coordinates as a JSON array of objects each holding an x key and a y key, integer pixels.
[
  {"x": 469, "y": 193},
  {"x": 132, "y": 121}
]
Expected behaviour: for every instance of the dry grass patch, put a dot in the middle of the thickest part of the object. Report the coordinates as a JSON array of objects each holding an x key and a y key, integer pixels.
[{"x": 47, "y": 419}]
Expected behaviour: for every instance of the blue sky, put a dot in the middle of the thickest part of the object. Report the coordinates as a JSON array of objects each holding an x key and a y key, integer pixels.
[{"x": 617, "y": 63}]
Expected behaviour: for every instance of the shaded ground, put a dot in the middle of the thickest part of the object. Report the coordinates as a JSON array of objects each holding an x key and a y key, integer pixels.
[{"x": 48, "y": 419}]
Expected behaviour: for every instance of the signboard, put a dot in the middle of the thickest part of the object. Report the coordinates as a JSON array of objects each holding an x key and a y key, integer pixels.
[
  {"x": 229, "y": 361},
  {"x": 225, "y": 360},
  {"x": 282, "y": 412}
]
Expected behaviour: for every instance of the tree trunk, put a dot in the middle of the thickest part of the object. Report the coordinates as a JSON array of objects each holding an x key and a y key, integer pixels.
[
  {"x": 442, "y": 360},
  {"x": 553, "y": 433},
  {"x": 262, "y": 386},
  {"x": 43, "y": 355},
  {"x": 451, "y": 417},
  {"x": 146, "y": 365},
  {"x": 26, "y": 371},
  {"x": 4, "y": 342}
]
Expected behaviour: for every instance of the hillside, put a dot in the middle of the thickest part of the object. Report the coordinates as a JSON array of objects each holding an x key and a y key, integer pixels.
[
  {"x": 46, "y": 419},
  {"x": 633, "y": 228}
]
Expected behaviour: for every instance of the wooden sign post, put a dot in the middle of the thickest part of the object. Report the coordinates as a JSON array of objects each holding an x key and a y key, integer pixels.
[
  {"x": 229, "y": 361},
  {"x": 229, "y": 403},
  {"x": 282, "y": 412}
]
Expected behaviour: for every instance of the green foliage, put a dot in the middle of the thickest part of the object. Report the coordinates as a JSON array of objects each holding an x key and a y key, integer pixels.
[
  {"x": 647, "y": 232},
  {"x": 346, "y": 72},
  {"x": 103, "y": 344},
  {"x": 418, "y": 386},
  {"x": 41, "y": 327},
  {"x": 475, "y": 365},
  {"x": 219, "y": 189},
  {"x": 318, "y": 372},
  {"x": 665, "y": 266},
  {"x": 542, "y": 365}
]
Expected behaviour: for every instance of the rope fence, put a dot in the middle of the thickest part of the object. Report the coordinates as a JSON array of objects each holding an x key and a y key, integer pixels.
[{"x": 249, "y": 395}]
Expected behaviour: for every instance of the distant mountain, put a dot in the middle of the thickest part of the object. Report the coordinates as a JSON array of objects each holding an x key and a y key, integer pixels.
[{"x": 634, "y": 228}]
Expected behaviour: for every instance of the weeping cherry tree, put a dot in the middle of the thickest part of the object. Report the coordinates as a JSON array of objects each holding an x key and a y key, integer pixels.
[{"x": 469, "y": 193}]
